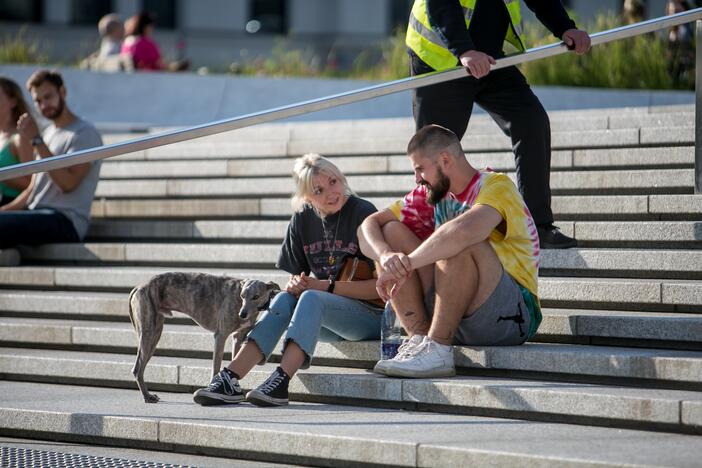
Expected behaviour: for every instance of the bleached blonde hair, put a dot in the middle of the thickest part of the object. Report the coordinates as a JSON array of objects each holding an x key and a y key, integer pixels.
[{"x": 308, "y": 166}]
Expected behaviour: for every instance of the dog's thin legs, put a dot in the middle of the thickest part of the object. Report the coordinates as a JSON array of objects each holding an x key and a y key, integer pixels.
[
  {"x": 219, "y": 342},
  {"x": 147, "y": 345}
]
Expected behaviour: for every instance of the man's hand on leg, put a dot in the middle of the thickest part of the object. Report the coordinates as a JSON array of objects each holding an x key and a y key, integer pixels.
[{"x": 463, "y": 283}]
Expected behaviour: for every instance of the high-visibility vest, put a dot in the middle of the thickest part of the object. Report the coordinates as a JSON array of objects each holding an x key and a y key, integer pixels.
[{"x": 428, "y": 45}]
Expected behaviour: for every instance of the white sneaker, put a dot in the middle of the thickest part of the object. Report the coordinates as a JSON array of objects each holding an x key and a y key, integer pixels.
[
  {"x": 428, "y": 359},
  {"x": 405, "y": 350}
]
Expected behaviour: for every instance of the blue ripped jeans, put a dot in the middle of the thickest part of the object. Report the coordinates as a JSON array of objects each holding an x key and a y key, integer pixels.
[{"x": 315, "y": 316}]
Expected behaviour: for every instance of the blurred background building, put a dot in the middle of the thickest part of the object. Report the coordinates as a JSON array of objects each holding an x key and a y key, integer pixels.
[{"x": 218, "y": 33}]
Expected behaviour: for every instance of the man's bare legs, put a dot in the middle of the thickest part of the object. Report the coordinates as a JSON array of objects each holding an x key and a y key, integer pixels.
[
  {"x": 408, "y": 302},
  {"x": 463, "y": 283}
]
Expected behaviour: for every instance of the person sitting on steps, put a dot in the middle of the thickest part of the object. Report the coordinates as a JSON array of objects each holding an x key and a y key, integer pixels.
[
  {"x": 320, "y": 237},
  {"x": 458, "y": 258}
]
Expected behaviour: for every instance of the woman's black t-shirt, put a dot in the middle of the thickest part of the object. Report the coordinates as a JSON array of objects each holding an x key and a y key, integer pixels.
[{"x": 320, "y": 248}]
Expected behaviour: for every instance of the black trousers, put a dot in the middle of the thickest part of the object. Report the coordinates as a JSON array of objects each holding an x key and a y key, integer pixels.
[
  {"x": 34, "y": 227},
  {"x": 507, "y": 97}
]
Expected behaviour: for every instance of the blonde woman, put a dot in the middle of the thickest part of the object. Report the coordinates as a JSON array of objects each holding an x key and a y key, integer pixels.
[{"x": 313, "y": 307}]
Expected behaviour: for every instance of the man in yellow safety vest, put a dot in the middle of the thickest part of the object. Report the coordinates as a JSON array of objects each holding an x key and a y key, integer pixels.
[{"x": 443, "y": 34}]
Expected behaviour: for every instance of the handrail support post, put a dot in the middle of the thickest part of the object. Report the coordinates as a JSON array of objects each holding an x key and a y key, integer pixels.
[{"x": 698, "y": 107}]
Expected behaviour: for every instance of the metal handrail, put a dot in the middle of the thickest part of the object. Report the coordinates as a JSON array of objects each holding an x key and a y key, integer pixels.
[{"x": 305, "y": 107}]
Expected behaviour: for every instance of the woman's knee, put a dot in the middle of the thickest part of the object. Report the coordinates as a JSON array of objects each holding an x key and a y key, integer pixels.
[
  {"x": 283, "y": 304},
  {"x": 311, "y": 301}
]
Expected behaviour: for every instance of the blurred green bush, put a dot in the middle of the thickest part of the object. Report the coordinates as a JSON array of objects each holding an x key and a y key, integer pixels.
[{"x": 18, "y": 49}]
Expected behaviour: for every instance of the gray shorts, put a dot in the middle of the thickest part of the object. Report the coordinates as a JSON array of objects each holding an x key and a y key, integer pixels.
[{"x": 502, "y": 320}]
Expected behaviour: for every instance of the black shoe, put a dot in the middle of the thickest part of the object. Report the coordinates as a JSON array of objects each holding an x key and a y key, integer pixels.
[
  {"x": 272, "y": 392},
  {"x": 550, "y": 237},
  {"x": 224, "y": 388}
]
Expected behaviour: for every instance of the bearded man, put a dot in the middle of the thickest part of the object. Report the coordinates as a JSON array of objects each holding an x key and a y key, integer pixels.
[
  {"x": 458, "y": 258},
  {"x": 55, "y": 207}
]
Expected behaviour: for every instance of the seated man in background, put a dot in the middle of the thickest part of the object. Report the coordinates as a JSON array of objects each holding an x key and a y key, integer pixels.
[
  {"x": 111, "y": 34},
  {"x": 464, "y": 238},
  {"x": 108, "y": 58},
  {"x": 55, "y": 207}
]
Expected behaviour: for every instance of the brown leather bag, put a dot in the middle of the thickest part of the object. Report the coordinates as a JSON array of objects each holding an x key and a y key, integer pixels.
[{"x": 355, "y": 269}]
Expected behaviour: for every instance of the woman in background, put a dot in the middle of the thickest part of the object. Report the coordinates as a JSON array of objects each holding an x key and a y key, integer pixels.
[
  {"x": 12, "y": 149},
  {"x": 139, "y": 45}
]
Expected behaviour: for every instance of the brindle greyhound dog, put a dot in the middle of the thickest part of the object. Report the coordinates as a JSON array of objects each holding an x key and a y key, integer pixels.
[{"x": 220, "y": 304}]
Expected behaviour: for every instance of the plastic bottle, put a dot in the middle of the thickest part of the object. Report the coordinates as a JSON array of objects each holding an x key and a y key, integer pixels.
[{"x": 390, "y": 333}]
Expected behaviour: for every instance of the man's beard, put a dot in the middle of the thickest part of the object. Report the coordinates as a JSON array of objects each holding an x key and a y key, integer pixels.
[
  {"x": 438, "y": 191},
  {"x": 53, "y": 115}
]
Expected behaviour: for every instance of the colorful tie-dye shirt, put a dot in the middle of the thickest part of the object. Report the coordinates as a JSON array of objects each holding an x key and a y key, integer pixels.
[{"x": 517, "y": 248}]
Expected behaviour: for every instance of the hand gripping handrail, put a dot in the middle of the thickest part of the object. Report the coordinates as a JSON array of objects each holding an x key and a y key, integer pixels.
[{"x": 305, "y": 107}]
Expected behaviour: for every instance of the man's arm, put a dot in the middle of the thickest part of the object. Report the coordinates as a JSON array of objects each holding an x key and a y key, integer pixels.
[
  {"x": 374, "y": 246},
  {"x": 552, "y": 15},
  {"x": 21, "y": 201},
  {"x": 370, "y": 234},
  {"x": 453, "y": 237},
  {"x": 447, "y": 19},
  {"x": 67, "y": 178}
]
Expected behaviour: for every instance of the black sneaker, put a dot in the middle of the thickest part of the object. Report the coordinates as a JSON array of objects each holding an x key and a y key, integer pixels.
[
  {"x": 272, "y": 392},
  {"x": 550, "y": 237},
  {"x": 224, "y": 388}
]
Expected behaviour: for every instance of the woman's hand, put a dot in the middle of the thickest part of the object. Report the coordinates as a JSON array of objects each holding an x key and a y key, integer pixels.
[
  {"x": 295, "y": 284},
  {"x": 301, "y": 283}
]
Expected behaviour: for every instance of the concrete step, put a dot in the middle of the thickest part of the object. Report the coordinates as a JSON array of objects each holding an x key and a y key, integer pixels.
[
  {"x": 328, "y": 435},
  {"x": 669, "y": 410},
  {"x": 261, "y": 230},
  {"x": 396, "y": 143},
  {"x": 682, "y": 264},
  {"x": 674, "y": 234},
  {"x": 675, "y": 115},
  {"x": 591, "y": 293},
  {"x": 39, "y": 317},
  {"x": 572, "y": 207},
  {"x": 391, "y": 135},
  {"x": 644, "y": 367},
  {"x": 594, "y": 182},
  {"x": 181, "y": 166}
]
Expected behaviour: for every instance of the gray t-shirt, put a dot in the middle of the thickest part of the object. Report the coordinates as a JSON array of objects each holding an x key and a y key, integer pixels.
[{"x": 75, "y": 205}]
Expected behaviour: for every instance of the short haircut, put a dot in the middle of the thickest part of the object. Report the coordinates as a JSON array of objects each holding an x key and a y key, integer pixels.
[
  {"x": 432, "y": 139},
  {"x": 108, "y": 24},
  {"x": 39, "y": 77},
  {"x": 308, "y": 166}
]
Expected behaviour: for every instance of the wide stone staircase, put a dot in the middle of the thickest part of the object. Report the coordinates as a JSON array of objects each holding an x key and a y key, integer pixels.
[{"x": 613, "y": 378}]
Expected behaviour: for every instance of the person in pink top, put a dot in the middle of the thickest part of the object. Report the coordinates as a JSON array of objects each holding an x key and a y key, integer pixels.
[{"x": 139, "y": 45}]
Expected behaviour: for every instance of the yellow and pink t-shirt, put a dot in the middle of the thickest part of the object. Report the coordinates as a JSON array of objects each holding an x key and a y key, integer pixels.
[{"x": 517, "y": 249}]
